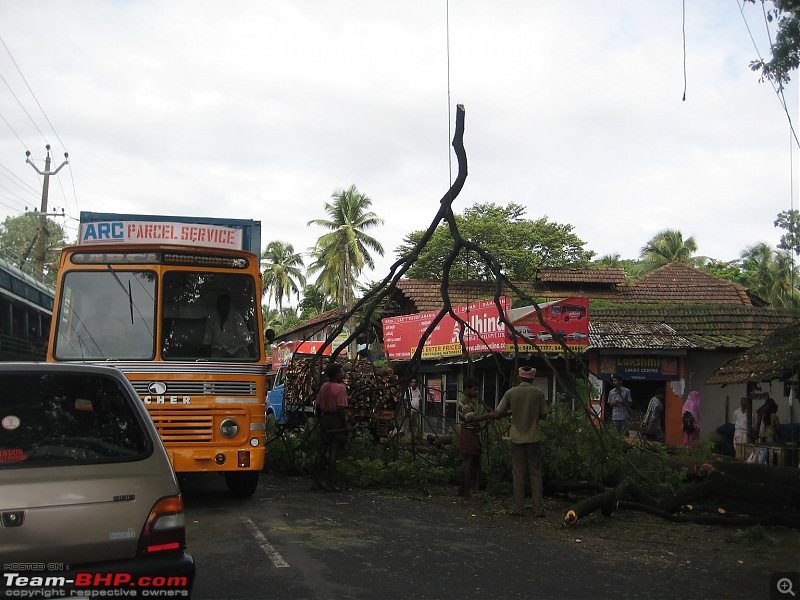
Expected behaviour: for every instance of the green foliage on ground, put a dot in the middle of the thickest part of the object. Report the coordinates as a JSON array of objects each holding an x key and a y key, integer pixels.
[{"x": 573, "y": 449}]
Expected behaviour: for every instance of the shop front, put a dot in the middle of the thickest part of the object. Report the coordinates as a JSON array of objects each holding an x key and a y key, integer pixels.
[
  {"x": 644, "y": 373},
  {"x": 479, "y": 344}
]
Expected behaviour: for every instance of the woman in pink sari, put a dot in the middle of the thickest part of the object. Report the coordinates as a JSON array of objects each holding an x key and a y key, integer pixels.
[{"x": 691, "y": 419}]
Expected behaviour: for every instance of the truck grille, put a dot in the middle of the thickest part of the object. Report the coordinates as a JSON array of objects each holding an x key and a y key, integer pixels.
[
  {"x": 183, "y": 425},
  {"x": 201, "y": 388}
]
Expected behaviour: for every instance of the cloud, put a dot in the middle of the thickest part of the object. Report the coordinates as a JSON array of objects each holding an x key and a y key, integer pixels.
[{"x": 264, "y": 109}]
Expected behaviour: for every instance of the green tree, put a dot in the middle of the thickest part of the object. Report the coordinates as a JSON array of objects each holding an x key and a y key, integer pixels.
[
  {"x": 631, "y": 267},
  {"x": 669, "y": 246},
  {"x": 771, "y": 275},
  {"x": 730, "y": 270},
  {"x": 786, "y": 47},
  {"x": 521, "y": 246},
  {"x": 784, "y": 292},
  {"x": 282, "y": 275},
  {"x": 18, "y": 239},
  {"x": 342, "y": 254},
  {"x": 314, "y": 302},
  {"x": 279, "y": 320},
  {"x": 790, "y": 221}
]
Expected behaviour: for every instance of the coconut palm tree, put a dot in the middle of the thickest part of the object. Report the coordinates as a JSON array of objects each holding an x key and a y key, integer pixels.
[
  {"x": 785, "y": 293},
  {"x": 608, "y": 260},
  {"x": 343, "y": 252},
  {"x": 757, "y": 265},
  {"x": 669, "y": 246},
  {"x": 282, "y": 275},
  {"x": 327, "y": 282},
  {"x": 771, "y": 275}
]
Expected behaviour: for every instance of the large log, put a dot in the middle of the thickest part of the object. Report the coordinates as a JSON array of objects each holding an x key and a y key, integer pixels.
[
  {"x": 761, "y": 494},
  {"x": 759, "y": 485}
]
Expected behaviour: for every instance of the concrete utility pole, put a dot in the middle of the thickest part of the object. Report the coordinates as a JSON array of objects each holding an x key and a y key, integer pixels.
[{"x": 41, "y": 230}]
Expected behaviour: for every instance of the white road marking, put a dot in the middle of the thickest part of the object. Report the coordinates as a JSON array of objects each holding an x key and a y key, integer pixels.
[{"x": 273, "y": 554}]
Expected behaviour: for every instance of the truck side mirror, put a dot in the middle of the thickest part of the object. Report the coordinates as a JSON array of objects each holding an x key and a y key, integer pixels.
[{"x": 269, "y": 335}]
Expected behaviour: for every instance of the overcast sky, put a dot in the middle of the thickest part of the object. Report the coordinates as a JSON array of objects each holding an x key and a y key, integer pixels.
[{"x": 262, "y": 109}]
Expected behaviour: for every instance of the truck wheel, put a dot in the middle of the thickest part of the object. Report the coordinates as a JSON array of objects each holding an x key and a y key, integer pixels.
[{"x": 242, "y": 484}]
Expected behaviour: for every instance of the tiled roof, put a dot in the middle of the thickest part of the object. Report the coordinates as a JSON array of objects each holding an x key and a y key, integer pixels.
[
  {"x": 607, "y": 275},
  {"x": 705, "y": 327},
  {"x": 776, "y": 357},
  {"x": 673, "y": 307},
  {"x": 313, "y": 325},
  {"x": 635, "y": 335},
  {"x": 426, "y": 294},
  {"x": 679, "y": 283}
]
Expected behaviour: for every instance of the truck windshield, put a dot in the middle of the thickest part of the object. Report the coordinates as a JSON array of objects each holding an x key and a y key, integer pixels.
[
  {"x": 209, "y": 315},
  {"x": 112, "y": 314},
  {"x": 107, "y": 315}
]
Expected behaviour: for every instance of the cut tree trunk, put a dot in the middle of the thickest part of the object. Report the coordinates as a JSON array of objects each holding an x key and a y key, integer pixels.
[{"x": 761, "y": 495}]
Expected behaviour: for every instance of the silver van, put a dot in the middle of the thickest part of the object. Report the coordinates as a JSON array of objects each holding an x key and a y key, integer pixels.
[{"x": 88, "y": 498}]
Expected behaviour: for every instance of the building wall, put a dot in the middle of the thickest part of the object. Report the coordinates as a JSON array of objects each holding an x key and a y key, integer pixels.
[{"x": 717, "y": 403}]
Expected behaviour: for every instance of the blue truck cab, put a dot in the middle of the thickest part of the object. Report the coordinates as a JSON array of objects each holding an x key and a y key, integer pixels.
[
  {"x": 285, "y": 416},
  {"x": 275, "y": 407}
]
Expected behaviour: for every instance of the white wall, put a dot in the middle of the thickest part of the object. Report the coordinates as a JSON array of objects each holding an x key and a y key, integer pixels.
[{"x": 700, "y": 367}]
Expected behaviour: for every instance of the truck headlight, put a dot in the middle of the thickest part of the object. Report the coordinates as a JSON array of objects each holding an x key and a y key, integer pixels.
[{"x": 229, "y": 428}]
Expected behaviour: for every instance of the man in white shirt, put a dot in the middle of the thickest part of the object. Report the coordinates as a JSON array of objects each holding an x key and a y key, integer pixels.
[
  {"x": 741, "y": 424},
  {"x": 226, "y": 334},
  {"x": 414, "y": 396}
]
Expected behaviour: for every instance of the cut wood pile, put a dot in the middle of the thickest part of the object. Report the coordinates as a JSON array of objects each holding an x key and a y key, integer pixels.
[{"x": 369, "y": 389}]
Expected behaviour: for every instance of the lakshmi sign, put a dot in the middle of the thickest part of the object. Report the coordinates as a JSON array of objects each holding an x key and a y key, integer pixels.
[
  {"x": 483, "y": 332},
  {"x": 641, "y": 367}
]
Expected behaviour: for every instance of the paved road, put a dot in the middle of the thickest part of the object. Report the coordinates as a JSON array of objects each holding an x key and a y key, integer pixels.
[{"x": 288, "y": 542}]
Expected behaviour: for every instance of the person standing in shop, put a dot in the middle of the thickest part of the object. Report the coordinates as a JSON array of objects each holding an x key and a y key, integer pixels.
[{"x": 621, "y": 402}]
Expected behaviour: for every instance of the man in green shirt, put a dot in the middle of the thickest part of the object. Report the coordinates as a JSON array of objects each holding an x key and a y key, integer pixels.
[{"x": 527, "y": 405}]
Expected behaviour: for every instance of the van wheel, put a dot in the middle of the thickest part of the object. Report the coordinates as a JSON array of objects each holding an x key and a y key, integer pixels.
[{"x": 242, "y": 484}]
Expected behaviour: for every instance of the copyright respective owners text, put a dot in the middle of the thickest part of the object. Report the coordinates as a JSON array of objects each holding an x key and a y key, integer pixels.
[
  {"x": 51, "y": 580},
  {"x": 785, "y": 586}
]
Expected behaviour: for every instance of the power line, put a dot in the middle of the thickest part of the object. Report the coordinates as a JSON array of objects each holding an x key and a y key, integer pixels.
[
  {"x": 778, "y": 92},
  {"x": 14, "y": 208},
  {"x": 63, "y": 145},
  {"x": 22, "y": 106},
  {"x": 12, "y": 131},
  {"x": 19, "y": 181},
  {"x": 449, "y": 135},
  {"x": 683, "y": 31},
  {"x": 19, "y": 199},
  {"x": 44, "y": 114}
]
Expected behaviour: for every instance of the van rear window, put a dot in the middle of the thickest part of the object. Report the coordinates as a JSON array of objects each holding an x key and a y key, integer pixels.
[{"x": 53, "y": 419}]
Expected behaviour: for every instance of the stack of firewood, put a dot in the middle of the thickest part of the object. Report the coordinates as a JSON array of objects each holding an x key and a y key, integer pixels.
[{"x": 368, "y": 388}]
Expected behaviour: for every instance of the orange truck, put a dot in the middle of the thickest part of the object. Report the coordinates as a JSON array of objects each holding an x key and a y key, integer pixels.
[{"x": 175, "y": 304}]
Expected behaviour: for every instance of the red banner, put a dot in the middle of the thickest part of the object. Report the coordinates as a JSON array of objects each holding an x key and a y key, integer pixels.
[
  {"x": 568, "y": 318},
  {"x": 282, "y": 353},
  {"x": 484, "y": 331}
]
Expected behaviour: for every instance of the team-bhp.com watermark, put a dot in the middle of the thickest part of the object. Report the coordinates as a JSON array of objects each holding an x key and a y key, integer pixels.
[{"x": 32, "y": 580}]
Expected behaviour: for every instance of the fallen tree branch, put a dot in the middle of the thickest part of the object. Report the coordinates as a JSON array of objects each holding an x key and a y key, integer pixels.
[{"x": 772, "y": 491}]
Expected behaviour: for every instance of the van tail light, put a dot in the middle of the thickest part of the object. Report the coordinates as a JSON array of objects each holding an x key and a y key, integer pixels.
[{"x": 165, "y": 529}]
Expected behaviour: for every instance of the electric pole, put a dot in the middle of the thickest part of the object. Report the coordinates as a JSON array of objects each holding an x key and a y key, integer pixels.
[{"x": 41, "y": 230}]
